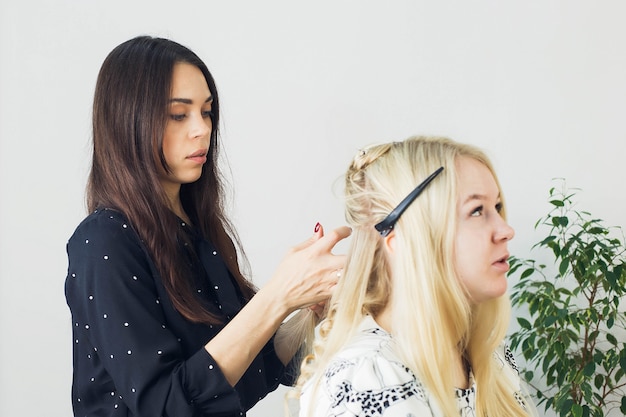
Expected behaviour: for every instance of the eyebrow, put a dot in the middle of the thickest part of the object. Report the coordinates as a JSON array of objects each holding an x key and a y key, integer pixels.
[
  {"x": 480, "y": 197},
  {"x": 187, "y": 100}
]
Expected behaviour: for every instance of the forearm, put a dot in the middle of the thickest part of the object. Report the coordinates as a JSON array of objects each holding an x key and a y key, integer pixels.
[
  {"x": 238, "y": 343},
  {"x": 305, "y": 277}
]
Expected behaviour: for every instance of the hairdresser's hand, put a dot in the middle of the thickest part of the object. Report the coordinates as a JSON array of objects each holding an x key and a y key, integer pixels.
[
  {"x": 309, "y": 272},
  {"x": 319, "y": 309},
  {"x": 305, "y": 277}
]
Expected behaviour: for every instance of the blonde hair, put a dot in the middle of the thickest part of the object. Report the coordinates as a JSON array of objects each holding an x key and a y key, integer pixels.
[{"x": 433, "y": 319}]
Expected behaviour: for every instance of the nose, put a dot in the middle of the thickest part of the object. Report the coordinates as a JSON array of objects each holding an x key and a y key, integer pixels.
[
  {"x": 201, "y": 128},
  {"x": 503, "y": 232}
]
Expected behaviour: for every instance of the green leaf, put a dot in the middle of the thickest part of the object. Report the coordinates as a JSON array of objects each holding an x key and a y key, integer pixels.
[
  {"x": 557, "y": 203},
  {"x": 528, "y": 375},
  {"x": 547, "y": 240},
  {"x": 525, "y": 324},
  {"x": 612, "y": 339},
  {"x": 528, "y": 272},
  {"x": 586, "y": 412},
  {"x": 563, "y": 266},
  {"x": 566, "y": 407},
  {"x": 550, "y": 320},
  {"x": 577, "y": 410},
  {"x": 598, "y": 381},
  {"x": 589, "y": 369}
]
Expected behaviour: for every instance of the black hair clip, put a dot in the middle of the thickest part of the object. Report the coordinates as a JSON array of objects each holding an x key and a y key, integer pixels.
[{"x": 386, "y": 226}]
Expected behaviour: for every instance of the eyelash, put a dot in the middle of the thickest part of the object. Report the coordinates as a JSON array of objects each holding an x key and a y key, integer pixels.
[
  {"x": 479, "y": 210},
  {"x": 180, "y": 117}
]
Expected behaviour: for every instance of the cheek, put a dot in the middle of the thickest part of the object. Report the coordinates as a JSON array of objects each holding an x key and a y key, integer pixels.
[
  {"x": 169, "y": 146},
  {"x": 462, "y": 248},
  {"x": 463, "y": 264},
  {"x": 467, "y": 253}
]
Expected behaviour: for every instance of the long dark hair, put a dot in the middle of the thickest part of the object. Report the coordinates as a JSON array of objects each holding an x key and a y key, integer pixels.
[{"x": 129, "y": 116}]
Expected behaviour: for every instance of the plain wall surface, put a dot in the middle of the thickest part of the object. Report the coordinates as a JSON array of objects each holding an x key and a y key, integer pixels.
[{"x": 540, "y": 85}]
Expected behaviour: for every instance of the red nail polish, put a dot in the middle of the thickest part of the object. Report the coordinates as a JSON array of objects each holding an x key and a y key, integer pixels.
[{"x": 317, "y": 227}]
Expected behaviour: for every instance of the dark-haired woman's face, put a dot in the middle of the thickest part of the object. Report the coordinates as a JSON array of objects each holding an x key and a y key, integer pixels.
[{"x": 187, "y": 134}]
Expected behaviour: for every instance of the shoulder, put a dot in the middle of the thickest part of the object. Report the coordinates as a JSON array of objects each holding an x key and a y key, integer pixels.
[
  {"x": 105, "y": 246},
  {"x": 102, "y": 227},
  {"x": 108, "y": 261},
  {"x": 506, "y": 362},
  {"x": 368, "y": 375},
  {"x": 369, "y": 360},
  {"x": 368, "y": 339},
  {"x": 506, "y": 358},
  {"x": 101, "y": 220}
]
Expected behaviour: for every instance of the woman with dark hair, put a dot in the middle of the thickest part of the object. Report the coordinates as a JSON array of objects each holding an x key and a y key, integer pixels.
[{"x": 164, "y": 321}]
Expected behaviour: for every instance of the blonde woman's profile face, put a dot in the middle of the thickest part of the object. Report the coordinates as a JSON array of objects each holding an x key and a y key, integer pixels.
[{"x": 482, "y": 234}]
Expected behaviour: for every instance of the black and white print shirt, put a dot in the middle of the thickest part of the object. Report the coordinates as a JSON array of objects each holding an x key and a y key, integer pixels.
[{"x": 367, "y": 379}]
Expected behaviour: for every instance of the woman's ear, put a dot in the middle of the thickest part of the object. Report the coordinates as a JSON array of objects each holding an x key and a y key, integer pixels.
[{"x": 390, "y": 242}]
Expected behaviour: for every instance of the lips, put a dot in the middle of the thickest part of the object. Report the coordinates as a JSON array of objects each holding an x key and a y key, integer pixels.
[
  {"x": 198, "y": 156},
  {"x": 502, "y": 263},
  {"x": 201, "y": 153}
]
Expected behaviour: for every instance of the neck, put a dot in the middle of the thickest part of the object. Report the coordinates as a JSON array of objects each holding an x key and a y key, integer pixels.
[
  {"x": 180, "y": 212},
  {"x": 461, "y": 374},
  {"x": 174, "y": 203},
  {"x": 461, "y": 366},
  {"x": 383, "y": 318}
]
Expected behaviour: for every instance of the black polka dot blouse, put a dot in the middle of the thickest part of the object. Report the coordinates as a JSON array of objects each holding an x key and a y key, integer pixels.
[{"x": 133, "y": 353}]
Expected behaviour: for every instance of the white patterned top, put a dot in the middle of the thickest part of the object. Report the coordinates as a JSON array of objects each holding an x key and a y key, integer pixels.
[{"x": 367, "y": 379}]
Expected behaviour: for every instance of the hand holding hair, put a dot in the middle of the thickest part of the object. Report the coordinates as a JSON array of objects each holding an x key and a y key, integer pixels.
[
  {"x": 309, "y": 271},
  {"x": 306, "y": 276}
]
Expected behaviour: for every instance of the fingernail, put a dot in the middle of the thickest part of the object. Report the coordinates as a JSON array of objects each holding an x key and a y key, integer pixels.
[{"x": 317, "y": 227}]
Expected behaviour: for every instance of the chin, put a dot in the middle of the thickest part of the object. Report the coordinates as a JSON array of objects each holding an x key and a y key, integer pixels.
[
  {"x": 493, "y": 293},
  {"x": 499, "y": 293},
  {"x": 191, "y": 179}
]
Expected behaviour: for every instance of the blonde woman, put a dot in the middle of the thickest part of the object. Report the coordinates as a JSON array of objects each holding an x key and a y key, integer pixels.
[{"x": 416, "y": 325}]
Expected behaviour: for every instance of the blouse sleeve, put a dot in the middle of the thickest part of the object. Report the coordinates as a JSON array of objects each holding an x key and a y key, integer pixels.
[
  {"x": 116, "y": 310},
  {"x": 371, "y": 385},
  {"x": 509, "y": 367}
]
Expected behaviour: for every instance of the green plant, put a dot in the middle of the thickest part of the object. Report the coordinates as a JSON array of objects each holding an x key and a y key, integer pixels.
[{"x": 573, "y": 338}]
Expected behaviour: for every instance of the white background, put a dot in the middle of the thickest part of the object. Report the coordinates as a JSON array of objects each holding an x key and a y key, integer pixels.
[{"x": 540, "y": 84}]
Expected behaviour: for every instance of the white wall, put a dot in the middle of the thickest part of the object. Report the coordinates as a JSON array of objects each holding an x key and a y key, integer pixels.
[{"x": 540, "y": 84}]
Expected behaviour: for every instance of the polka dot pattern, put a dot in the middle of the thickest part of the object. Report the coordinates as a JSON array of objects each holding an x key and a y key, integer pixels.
[{"x": 126, "y": 330}]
